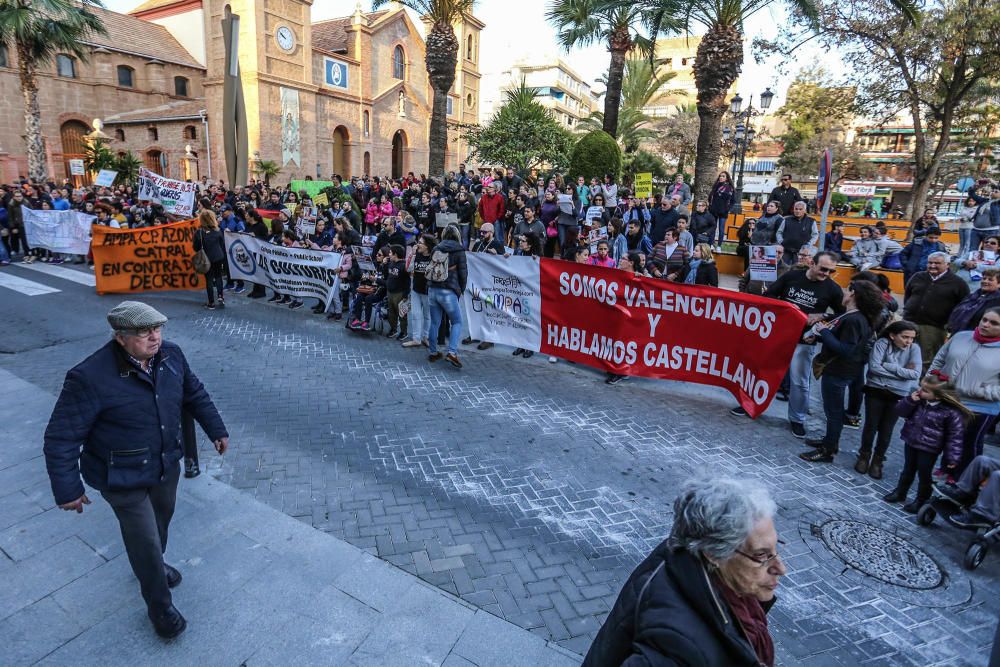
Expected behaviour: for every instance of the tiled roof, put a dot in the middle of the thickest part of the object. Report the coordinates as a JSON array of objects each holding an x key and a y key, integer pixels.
[
  {"x": 185, "y": 109},
  {"x": 132, "y": 35},
  {"x": 331, "y": 35}
]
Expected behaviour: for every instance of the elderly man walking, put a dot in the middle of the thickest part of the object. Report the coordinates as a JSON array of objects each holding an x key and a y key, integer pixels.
[
  {"x": 118, "y": 423},
  {"x": 929, "y": 298}
]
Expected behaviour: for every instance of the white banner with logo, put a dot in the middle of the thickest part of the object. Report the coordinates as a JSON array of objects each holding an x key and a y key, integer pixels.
[
  {"x": 59, "y": 231},
  {"x": 176, "y": 197},
  {"x": 503, "y": 299},
  {"x": 298, "y": 272}
]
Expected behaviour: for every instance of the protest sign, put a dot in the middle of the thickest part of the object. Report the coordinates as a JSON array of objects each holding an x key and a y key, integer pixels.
[
  {"x": 298, "y": 272},
  {"x": 76, "y": 167},
  {"x": 148, "y": 259},
  {"x": 106, "y": 178},
  {"x": 764, "y": 262},
  {"x": 307, "y": 227},
  {"x": 644, "y": 184},
  {"x": 176, "y": 197},
  {"x": 634, "y": 325},
  {"x": 58, "y": 231},
  {"x": 312, "y": 188},
  {"x": 320, "y": 199},
  {"x": 442, "y": 220},
  {"x": 594, "y": 212}
]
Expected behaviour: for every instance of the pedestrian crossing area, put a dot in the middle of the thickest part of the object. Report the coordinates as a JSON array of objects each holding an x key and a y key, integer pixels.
[{"x": 17, "y": 277}]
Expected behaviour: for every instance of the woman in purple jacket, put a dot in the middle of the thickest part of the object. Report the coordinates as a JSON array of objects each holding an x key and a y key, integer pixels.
[{"x": 935, "y": 422}]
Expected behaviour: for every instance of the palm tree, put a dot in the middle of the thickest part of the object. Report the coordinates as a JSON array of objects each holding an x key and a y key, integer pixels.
[
  {"x": 585, "y": 22},
  {"x": 642, "y": 81},
  {"x": 718, "y": 60},
  {"x": 267, "y": 169},
  {"x": 441, "y": 60},
  {"x": 38, "y": 30}
]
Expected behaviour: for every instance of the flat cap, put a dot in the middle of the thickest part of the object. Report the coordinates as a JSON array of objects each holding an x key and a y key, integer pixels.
[{"x": 132, "y": 315}]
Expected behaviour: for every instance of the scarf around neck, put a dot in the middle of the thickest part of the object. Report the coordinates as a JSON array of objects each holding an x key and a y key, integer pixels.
[
  {"x": 750, "y": 614},
  {"x": 981, "y": 339}
]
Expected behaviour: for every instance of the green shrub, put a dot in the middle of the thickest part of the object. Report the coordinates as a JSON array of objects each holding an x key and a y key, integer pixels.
[{"x": 595, "y": 154}]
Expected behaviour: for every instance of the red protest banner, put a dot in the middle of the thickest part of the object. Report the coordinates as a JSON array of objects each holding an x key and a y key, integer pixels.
[{"x": 633, "y": 325}]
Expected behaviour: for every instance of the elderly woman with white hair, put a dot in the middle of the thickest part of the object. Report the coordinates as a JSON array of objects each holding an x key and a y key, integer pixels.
[{"x": 701, "y": 597}]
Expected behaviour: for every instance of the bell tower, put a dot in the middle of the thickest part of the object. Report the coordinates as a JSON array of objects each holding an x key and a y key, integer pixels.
[{"x": 275, "y": 57}]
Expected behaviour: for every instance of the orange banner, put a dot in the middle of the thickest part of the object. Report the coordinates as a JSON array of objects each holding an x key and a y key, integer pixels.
[{"x": 149, "y": 259}]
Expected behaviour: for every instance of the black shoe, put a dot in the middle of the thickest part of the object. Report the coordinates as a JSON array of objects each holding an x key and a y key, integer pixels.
[
  {"x": 318, "y": 309},
  {"x": 894, "y": 497},
  {"x": 816, "y": 443},
  {"x": 782, "y": 396},
  {"x": 852, "y": 422},
  {"x": 434, "y": 356},
  {"x": 295, "y": 304},
  {"x": 970, "y": 519},
  {"x": 391, "y": 334},
  {"x": 738, "y": 411},
  {"x": 401, "y": 335},
  {"x": 913, "y": 507},
  {"x": 174, "y": 577},
  {"x": 818, "y": 456},
  {"x": 798, "y": 430},
  {"x": 952, "y": 492},
  {"x": 168, "y": 623},
  {"x": 527, "y": 354},
  {"x": 210, "y": 306},
  {"x": 191, "y": 469},
  {"x": 276, "y": 297},
  {"x": 615, "y": 379},
  {"x": 468, "y": 341},
  {"x": 862, "y": 464},
  {"x": 518, "y": 352},
  {"x": 484, "y": 346},
  {"x": 875, "y": 470}
]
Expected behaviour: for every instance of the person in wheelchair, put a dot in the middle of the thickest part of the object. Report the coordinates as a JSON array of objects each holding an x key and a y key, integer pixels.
[{"x": 983, "y": 504}]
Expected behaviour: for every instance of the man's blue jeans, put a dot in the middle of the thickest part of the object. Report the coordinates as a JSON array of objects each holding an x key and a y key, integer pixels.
[
  {"x": 800, "y": 382},
  {"x": 444, "y": 302}
]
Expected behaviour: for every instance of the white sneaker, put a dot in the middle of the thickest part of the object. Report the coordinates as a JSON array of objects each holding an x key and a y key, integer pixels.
[{"x": 553, "y": 360}]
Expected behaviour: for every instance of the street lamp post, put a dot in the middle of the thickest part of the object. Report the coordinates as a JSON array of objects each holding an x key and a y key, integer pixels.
[{"x": 742, "y": 137}]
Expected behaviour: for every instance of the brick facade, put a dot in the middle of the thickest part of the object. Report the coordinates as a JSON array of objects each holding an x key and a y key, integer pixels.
[{"x": 350, "y": 128}]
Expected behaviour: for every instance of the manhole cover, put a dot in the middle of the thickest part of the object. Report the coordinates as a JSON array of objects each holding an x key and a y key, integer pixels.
[{"x": 881, "y": 554}]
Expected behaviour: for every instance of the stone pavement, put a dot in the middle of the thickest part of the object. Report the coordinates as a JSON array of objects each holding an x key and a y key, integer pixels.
[
  {"x": 260, "y": 588},
  {"x": 531, "y": 490}
]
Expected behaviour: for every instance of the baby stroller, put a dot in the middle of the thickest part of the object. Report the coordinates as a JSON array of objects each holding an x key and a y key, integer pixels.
[{"x": 947, "y": 507}]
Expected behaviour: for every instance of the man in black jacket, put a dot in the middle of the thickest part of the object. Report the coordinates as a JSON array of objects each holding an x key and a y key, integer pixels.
[
  {"x": 929, "y": 298},
  {"x": 785, "y": 194},
  {"x": 118, "y": 423},
  {"x": 661, "y": 219}
]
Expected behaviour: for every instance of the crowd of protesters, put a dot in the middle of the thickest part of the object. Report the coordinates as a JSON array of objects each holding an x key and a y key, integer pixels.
[{"x": 874, "y": 361}]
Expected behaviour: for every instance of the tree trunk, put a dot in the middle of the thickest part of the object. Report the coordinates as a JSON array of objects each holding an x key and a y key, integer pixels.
[
  {"x": 438, "y": 133},
  {"x": 616, "y": 73},
  {"x": 706, "y": 162},
  {"x": 441, "y": 60},
  {"x": 37, "y": 166},
  {"x": 717, "y": 64}
]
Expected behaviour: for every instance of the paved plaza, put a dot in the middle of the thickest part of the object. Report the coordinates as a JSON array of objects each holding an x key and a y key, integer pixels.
[{"x": 515, "y": 489}]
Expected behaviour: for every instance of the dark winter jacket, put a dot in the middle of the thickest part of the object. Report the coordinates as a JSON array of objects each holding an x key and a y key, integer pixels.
[
  {"x": 721, "y": 199},
  {"x": 707, "y": 273},
  {"x": 670, "y": 613},
  {"x": 702, "y": 224},
  {"x": 932, "y": 428},
  {"x": 786, "y": 198},
  {"x": 967, "y": 314},
  {"x": 458, "y": 270},
  {"x": 212, "y": 242},
  {"x": 127, "y": 423},
  {"x": 930, "y": 302}
]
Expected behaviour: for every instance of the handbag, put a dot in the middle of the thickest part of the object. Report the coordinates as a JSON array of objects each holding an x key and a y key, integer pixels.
[
  {"x": 200, "y": 260},
  {"x": 551, "y": 231},
  {"x": 404, "y": 307},
  {"x": 819, "y": 365}
]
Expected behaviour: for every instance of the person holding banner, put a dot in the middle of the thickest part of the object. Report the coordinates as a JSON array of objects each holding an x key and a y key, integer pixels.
[{"x": 210, "y": 239}]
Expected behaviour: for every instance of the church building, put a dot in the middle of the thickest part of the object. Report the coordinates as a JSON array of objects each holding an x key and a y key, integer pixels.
[{"x": 343, "y": 96}]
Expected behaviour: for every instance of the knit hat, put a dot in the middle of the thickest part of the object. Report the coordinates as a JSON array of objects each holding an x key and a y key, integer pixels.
[{"x": 134, "y": 315}]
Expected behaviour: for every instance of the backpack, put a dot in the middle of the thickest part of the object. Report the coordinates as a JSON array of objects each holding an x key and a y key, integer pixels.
[
  {"x": 438, "y": 270},
  {"x": 982, "y": 219}
]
